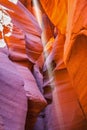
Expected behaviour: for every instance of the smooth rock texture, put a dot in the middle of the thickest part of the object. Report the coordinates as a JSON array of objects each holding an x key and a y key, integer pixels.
[
  {"x": 46, "y": 60},
  {"x": 73, "y": 53},
  {"x": 57, "y": 12},
  {"x": 30, "y": 27},
  {"x": 13, "y": 102},
  {"x": 1, "y": 124},
  {"x": 23, "y": 52},
  {"x": 75, "y": 49},
  {"x": 63, "y": 94}
]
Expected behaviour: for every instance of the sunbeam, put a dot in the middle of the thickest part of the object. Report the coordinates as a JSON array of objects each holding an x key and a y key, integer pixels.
[
  {"x": 49, "y": 67},
  {"x": 39, "y": 19}
]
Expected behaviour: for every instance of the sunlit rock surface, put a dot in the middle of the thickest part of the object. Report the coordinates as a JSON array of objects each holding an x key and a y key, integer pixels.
[
  {"x": 23, "y": 52},
  {"x": 45, "y": 59},
  {"x": 57, "y": 12},
  {"x": 75, "y": 50},
  {"x": 73, "y": 53}
]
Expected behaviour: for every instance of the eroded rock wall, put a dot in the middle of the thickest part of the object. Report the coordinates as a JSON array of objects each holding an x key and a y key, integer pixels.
[{"x": 29, "y": 79}]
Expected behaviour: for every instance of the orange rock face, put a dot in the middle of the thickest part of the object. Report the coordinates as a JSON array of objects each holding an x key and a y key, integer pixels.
[
  {"x": 73, "y": 53},
  {"x": 43, "y": 63},
  {"x": 57, "y": 12},
  {"x": 24, "y": 49},
  {"x": 75, "y": 50}
]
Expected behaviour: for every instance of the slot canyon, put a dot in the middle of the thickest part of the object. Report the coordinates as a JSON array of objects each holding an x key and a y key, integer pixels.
[{"x": 43, "y": 56}]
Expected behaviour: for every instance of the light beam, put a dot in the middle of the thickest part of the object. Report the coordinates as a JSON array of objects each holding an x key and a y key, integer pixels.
[{"x": 49, "y": 67}]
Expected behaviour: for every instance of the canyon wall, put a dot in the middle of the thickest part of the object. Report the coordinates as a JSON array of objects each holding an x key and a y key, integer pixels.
[{"x": 43, "y": 65}]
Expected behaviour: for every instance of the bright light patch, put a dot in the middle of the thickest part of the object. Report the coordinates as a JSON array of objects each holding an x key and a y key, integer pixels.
[
  {"x": 39, "y": 19},
  {"x": 1, "y": 27},
  {"x": 5, "y": 26},
  {"x": 38, "y": 12},
  {"x": 2, "y": 43},
  {"x": 6, "y": 19},
  {"x": 13, "y": 1}
]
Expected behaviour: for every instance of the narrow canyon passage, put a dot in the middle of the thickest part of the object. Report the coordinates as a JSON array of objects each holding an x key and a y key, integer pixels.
[{"x": 43, "y": 54}]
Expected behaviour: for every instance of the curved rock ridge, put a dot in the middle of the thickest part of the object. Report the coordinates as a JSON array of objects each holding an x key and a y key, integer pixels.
[
  {"x": 68, "y": 17},
  {"x": 33, "y": 76},
  {"x": 25, "y": 37},
  {"x": 57, "y": 12},
  {"x": 30, "y": 27},
  {"x": 13, "y": 101}
]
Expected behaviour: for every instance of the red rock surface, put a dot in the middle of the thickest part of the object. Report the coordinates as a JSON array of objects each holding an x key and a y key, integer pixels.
[
  {"x": 23, "y": 52},
  {"x": 71, "y": 21},
  {"x": 75, "y": 49},
  {"x": 54, "y": 73}
]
